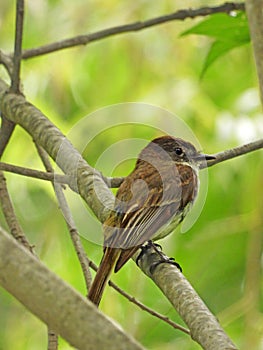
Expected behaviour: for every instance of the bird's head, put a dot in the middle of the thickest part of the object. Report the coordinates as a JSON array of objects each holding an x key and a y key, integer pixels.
[{"x": 168, "y": 148}]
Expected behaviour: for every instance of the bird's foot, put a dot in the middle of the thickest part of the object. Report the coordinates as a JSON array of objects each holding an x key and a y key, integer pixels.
[{"x": 163, "y": 258}]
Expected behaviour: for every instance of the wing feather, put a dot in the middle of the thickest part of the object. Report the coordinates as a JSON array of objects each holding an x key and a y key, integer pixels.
[{"x": 147, "y": 209}]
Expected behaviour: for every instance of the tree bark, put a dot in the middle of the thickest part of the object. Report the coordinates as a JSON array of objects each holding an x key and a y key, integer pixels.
[{"x": 56, "y": 303}]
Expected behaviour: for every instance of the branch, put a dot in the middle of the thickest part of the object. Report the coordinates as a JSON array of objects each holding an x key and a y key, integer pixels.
[
  {"x": 7, "y": 62},
  {"x": 52, "y": 336},
  {"x": 18, "y": 46},
  {"x": 10, "y": 216},
  {"x": 36, "y": 174},
  {"x": 6, "y": 131},
  {"x": 132, "y": 27},
  {"x": 141, "y": 305},
  {"x": 203, "y": 325},
  {"x": 13, "y": 68},
  {"x": 83, "y": 260},
  {"x": 219, "y": 158},
  {"x": 56, "y": 303},
  {"x": 255, "y": 21},
  {"x": 85, "y": 180},
  {"x": 235, "y": 152}
]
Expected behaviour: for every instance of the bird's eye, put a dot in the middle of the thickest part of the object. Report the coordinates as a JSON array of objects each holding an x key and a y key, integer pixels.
[{"x": 179, "y": 151}]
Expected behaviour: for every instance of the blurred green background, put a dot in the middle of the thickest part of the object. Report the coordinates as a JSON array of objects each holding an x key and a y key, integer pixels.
[{"x": 221, "y": 253}]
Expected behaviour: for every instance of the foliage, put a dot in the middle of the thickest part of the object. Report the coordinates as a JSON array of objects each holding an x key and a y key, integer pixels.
[
  {"x": 229, "y": 32},
  {"x": 156, "y": 67}
]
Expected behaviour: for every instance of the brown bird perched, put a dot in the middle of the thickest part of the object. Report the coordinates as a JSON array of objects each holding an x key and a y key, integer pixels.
[{"x": 150, "y": 203}]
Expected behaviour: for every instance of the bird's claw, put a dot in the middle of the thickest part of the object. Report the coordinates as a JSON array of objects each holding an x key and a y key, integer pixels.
[{"x": 163, "y": 257}]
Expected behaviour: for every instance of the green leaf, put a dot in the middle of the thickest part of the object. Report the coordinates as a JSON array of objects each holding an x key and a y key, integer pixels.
[
  {"x": 218, "y": 48},
  {"x": 229, "y": 31},
  {"x": 223, "y": 27}
]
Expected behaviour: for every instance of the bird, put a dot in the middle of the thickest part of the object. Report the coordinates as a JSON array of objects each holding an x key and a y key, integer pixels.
[{"x": 150, "y": 203}]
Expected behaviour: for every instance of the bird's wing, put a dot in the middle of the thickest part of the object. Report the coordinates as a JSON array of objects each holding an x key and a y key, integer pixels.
[
  {"x": 152, "y": 220},
  {"x": 140, "y": 224},
  {"x": 148, "y": 210}
]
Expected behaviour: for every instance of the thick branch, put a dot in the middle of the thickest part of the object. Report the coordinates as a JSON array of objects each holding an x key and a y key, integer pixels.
[
  {"x": 141, "y": 305},
  {"x": 255, "y": 20},
  {"x": 203, "y": 325},
  {"x": 53, "y": 301},
  {"x": 85, "y": 180},
  {"x": 132, "y": 27}
]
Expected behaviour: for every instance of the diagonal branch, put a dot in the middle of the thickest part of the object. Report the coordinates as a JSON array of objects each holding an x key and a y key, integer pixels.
[
  {"x": 10, "y": 216},
  {"x": 6, "y": 131},
  {"x": 87, "y": 181},
  {"x": 83, "y": 259},
  {"x": 204, "y": 327},
  {"x": 219, "y": 157},
  {"x": 142, "y": 306},
  {"x": 55, "y": 302},
  {"x": 132, "y": 27},
  {"x": 235, "y": 152}
]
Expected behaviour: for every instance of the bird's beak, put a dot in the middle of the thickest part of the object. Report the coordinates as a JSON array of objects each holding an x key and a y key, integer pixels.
[
  {"x": 208, "y": 156},
  {"x": 202, "y": 158}
]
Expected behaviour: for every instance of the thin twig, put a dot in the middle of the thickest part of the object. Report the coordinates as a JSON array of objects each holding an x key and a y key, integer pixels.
[
  {"x": 83, "y": 259},
  {"x": 141, "y": 305},
  {"x": 116, "y": 182},
  {"x": 10, "y": 216},
  {"x": 7, "y": 62},
  {"x": 219, "y": 157},
  {"x": 52, "y": 336},
  {"x": 132, "y": 27},
  {"x": 15, "y": 84},
  {"x": 37, "y": 174},
  {"x": 235, "y": 152}
]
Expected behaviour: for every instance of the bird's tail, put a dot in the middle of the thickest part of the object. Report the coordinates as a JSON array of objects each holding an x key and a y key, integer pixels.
[{"x": 107, "y": 264}]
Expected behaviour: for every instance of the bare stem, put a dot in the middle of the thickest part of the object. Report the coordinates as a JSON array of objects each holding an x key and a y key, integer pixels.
[
  {"x": 10, "y": 216},
  {"x": 83, "y": 259},
  {"x": 235, "y": 152},
  {"x": 37, "y": 174},
  {"x": 219, "y": 158},
  {"x": 18, "y": 46},
  {"x": 132, "y": 27}
]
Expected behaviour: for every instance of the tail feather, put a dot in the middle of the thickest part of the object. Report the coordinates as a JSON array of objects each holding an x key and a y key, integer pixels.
[{"x": 107, "y": 264}]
